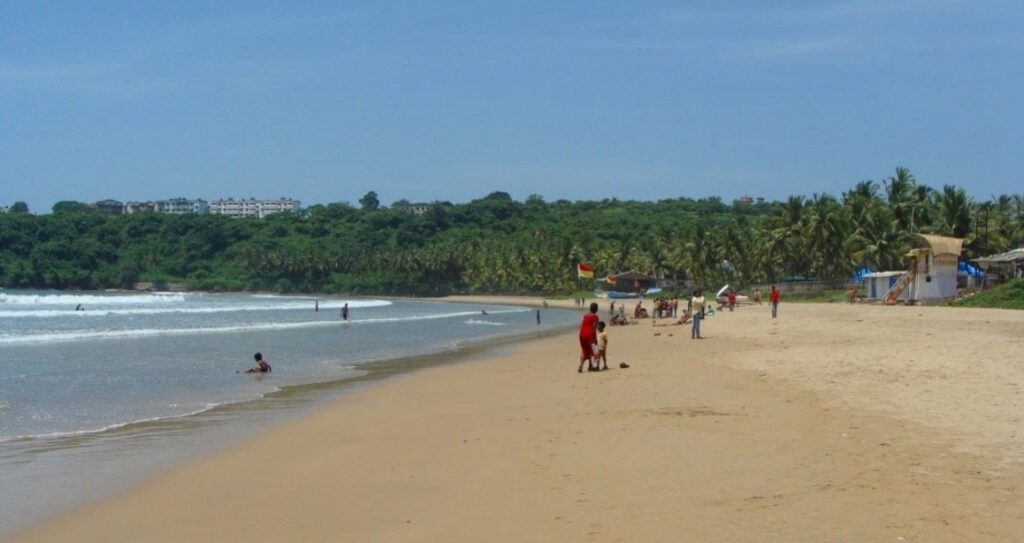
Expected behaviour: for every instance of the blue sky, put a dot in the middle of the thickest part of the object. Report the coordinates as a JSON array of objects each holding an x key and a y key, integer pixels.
[{"x": 453, "y": 100}]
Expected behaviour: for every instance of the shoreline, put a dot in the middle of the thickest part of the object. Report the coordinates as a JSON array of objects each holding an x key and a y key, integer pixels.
[
  {"x": 755, "y": 429},
  {"x": 203, "y": 432}
]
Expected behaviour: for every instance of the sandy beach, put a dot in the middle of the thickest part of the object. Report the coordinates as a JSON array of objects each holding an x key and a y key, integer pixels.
[{"x": 831, "y": 423}]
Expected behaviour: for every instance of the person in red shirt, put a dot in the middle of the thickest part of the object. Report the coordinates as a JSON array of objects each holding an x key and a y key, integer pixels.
[
  {"x": 588, "y": 336},
  {"x": 773, "y": 300},
  {"x": 731, "y": 299}
]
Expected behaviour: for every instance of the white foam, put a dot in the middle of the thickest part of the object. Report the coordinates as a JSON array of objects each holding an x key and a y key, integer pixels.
[
  {"x": 292, "y": 306},
  {"x": 94, "y": 299},
  {"x": 152, "y": 332},
  {"x": 486, "y": 323},
  {"x": 71, "y": 433}
]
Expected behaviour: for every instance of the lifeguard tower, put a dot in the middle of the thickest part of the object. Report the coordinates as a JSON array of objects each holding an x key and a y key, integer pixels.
[{"x": 931, "y": 274}]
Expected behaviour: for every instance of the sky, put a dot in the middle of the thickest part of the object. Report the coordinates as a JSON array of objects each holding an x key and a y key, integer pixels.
[{"x": 324, "y": 101}]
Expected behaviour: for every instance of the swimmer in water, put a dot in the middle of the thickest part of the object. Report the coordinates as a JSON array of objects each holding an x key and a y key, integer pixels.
[{"x": 261, "y": 365}]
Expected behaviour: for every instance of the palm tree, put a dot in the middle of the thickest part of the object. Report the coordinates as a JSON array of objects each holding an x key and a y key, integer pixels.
[
  {"x": 825, "y": 228},
  {"x": 900, "y": 192},
  {"x": 954, "y": 211},
  {"x": 878, "y": 241}
]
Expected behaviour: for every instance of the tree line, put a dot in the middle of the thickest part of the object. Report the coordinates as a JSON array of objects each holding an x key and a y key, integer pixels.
[{"x": 498, "y": 245}]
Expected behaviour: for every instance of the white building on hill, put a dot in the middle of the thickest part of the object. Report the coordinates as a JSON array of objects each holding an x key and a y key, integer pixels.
[
  {"x": 253, "y": 207},
  {"x": 182, "y": 206}
]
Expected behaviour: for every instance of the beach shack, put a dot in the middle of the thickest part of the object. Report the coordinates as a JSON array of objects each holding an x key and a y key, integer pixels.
[
  {"x": 1002, "y": 267},
  {"x": 877, "y": 284},
  {"x": 628, "y": 284},
  {"x": 931, "y": 273}
]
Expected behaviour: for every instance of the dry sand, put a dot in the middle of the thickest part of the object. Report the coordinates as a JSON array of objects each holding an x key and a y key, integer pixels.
[{"x": 832, "y": 423}]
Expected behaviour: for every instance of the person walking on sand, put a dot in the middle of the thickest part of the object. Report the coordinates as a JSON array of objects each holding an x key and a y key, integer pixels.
[
  {"x": 588, "y": 334},
  {"x": 773, "y": 300},
  {"x": 697, "y": 307},
  {"x": 757, "y": 296}
]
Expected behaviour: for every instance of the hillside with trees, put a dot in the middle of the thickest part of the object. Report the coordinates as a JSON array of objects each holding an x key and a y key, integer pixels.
[{"x": 498, "y": 245}]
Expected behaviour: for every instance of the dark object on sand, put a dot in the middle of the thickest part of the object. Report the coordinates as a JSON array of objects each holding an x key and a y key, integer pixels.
[{"x": 623, "y": 365}]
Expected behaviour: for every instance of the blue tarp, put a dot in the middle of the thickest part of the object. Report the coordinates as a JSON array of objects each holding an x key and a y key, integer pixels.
[
  {"x": 969, "y": 269},
  {"x": 858, "y": 275}
]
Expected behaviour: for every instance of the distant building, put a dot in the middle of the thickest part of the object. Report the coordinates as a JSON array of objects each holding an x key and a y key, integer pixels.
[
  {"x": 5, "y": 209},
  {"x": 745, "y": 199},
  {"x": 131, "y": 208},
  {"x": 182, "y": 206},
  {"x": 253, "y": 207},
  {"x": 109, "y": 207},
  {"x": 415, "y": 209}
]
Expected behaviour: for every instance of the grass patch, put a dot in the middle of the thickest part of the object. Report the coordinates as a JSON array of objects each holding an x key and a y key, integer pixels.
[
  {"x": 823, "y": 297},
  {"x": 1009, "y": 295}
]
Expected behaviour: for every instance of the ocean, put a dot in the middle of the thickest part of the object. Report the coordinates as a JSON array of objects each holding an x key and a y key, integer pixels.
[{"x": 98, "y": 390}]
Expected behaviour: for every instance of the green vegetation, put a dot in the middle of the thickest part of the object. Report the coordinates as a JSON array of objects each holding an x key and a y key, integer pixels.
[
  {"x": 497, "y": 245},
  {"x": 1009, "y": 295},
  {"x": 825, "y": 296}
]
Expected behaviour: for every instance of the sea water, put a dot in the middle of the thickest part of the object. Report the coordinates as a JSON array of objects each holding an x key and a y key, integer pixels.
[{"x": 98, "y": 388}]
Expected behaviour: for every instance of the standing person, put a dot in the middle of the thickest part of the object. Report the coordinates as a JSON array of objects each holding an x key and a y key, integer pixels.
[
  {"x": 588, "y": 334},
  {"x": 732, "y": 299},
  {"x": 602, "y": 345},
  {"x": 316, "y": 306},
  {"x": 773, "y": 300},
  {"x": 538, "y": 317},
  {"x": 344, "y": 312},
  {"x": 757, "y": 296},
  {"x": 697, "y": 307}
]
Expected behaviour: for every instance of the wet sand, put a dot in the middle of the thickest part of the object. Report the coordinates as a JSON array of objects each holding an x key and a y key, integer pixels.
[{"x": 832, "y": 423}]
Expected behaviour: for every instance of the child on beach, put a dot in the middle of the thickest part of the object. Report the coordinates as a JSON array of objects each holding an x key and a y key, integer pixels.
[
  {"x": 261, "y": 365},
  {"x": 602, "y": 345},
  {"x": 588, "y": 334}
]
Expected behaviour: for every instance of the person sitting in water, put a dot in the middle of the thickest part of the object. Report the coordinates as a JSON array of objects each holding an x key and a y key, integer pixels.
[{"x": 261, "y": 365}]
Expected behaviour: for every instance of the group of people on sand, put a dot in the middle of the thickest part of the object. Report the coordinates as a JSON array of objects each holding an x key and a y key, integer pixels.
[
  {"x": 594, "y": 339},
  {"x": 665, "y": 308}
]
